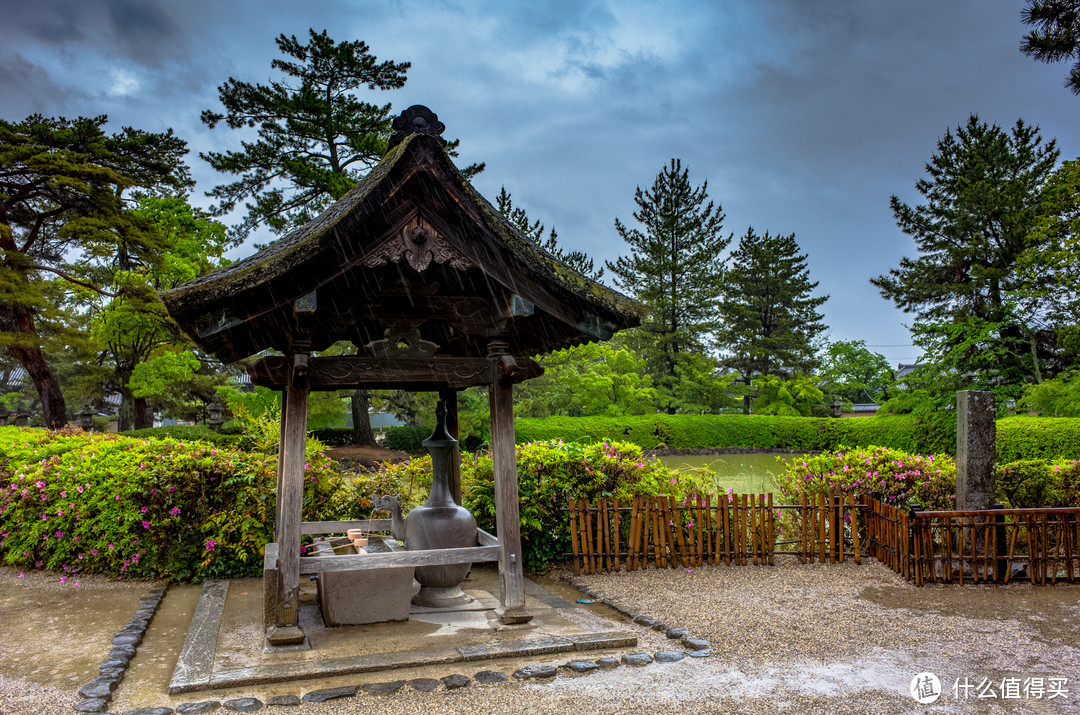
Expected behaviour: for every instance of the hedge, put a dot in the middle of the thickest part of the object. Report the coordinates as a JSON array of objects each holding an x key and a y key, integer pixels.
[
  {"x": 1052, "y": 438},
  {"x": 715, "y": 431},
  {"x": 188, "y": 433}
]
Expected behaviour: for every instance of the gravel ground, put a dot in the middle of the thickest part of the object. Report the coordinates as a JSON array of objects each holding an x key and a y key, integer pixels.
[{"x": 786, "y": 639}]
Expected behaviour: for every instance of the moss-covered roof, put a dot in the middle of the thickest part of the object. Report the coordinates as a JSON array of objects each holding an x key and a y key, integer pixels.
[{"x": 415, "y": 173}]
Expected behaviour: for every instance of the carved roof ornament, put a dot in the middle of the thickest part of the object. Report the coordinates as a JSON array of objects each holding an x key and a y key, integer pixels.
[
  {"x": 402, "y": 340},
  {"x": 418, "y": 244},
  {"x": 417, "y": 119}
]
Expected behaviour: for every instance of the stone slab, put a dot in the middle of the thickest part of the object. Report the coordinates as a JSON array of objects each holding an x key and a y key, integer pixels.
[
  {"x": 602, "y": 640},
  {"x": 478, "y": 601},
  {"x": 519, "y": 648},
  {"x": 196, "y": 661}
]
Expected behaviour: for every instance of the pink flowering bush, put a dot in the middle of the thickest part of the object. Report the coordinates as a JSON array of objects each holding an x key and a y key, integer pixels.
[
  {"x": 189, "y": 511},
  {"x": 927, "y": 481}
]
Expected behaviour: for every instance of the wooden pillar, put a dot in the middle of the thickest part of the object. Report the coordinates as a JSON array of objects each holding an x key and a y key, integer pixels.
[
  {"x": 286, "y": 630},
  {"x": 449, "y": 398},
  {"x": 280, "y": 469},
  {"x": 507, "y": 517}
]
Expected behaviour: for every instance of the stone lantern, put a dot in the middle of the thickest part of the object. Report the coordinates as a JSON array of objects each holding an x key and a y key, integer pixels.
[
  {"x": 215, "y": 415},
  {"x": 85, "y": 418},
  {"x": 837, "y": 408}
]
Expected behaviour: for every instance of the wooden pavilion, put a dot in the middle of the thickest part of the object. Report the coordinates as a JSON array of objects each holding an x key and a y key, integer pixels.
[{"x": 438, "y": 292}]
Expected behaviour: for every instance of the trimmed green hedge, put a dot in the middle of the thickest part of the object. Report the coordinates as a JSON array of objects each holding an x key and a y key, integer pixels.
[
  {"x": 188, "y": 433},
  {"x": 713, "y": 431},
  {"x": 1050, "y": 438}
]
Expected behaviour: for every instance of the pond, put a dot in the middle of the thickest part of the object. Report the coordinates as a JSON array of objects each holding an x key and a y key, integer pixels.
[{"x": 744, "y": 473}]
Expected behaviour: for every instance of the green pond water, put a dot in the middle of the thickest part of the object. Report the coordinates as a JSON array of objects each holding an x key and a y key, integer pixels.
[{"x": 744, "y": 473}]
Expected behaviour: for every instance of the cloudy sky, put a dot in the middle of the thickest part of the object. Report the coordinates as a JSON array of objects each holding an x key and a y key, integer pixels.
[{"x": 803, "y": 116}]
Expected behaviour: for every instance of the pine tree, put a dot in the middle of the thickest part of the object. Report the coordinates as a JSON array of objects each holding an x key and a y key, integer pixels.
[
  {"x": 982, "y": 202},
  {"x": 769, "y": 316},
  {"x": 1056, "y": 36},
  {"x": 675, "y": 268},
  {"x": 534, "y": 231}
]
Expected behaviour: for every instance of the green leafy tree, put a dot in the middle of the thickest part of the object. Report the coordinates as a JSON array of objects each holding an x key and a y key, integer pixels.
[
  {"x": 1049, "y": 290},
  {"x": 1056, "y": 35},
  {"x": 316, "y": 138},
  {"x": 982, "y": 201},
  {"x": 797, "y": 397},
  {"x": 534, "y": 231},
  {"x": 63, "y": 215},
  {"x": 675, "y": 267},
  {"x": 853, "y": 373},
  {"x": 1056, "y": 397},
  {"x": 702, "y": 386},
  {"x": 769, "y": 318},
  {"x": 586, "y": 380},
  {"x": 134, "y": 328}
]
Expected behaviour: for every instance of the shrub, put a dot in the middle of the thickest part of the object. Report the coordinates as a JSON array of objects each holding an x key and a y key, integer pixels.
[
  {"x": 710, "y": 431},
  {"x": 1048, "y": 438},
  {"x": 407, "y": 438},
  {"x": 189, "y": 433},
  {"x": 141, "y": 507},
  {"x": 901, "y": 478},
  {"x": 333, "y": 436},
  {"x": 1035, "y": 483}
]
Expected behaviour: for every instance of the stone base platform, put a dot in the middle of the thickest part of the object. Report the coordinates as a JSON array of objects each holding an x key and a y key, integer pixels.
[{"x": 224, "y": 644}]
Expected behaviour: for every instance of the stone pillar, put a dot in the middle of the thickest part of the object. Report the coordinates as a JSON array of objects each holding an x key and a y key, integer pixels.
[{"x": 976, "y": 453}]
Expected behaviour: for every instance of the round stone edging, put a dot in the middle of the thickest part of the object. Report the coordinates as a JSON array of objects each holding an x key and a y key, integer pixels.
[
  {"x": 98, "y": 692},
  {"x": 696, "y": 647}
]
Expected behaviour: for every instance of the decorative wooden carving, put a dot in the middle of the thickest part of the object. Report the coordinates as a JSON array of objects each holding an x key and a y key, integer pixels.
[
  {"x": 417, "y": 119},
  {"x": 418, "y": 244},
  {"x": 428, "y": 373},
  {"x": 402, "y": 340}
]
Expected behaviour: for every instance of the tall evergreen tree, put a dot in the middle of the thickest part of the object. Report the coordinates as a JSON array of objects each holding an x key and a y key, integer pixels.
[
  {"x": 65, "y": 187},
  {"x": 1056, "y": 36},
  {"x": 769, "y": 319},
  {"x": 534, "y": 231},
  {"x": 675, "y": 268},
  {"x": 982, "y": 202}
]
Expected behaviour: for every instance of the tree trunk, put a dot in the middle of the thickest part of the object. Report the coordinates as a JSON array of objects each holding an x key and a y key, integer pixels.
[
  {"x": 362, "y": 434},
  {"x": 125, "y": 416},
  {"x": 144, "y": 416},
  {"x": 53, "y": 408}
]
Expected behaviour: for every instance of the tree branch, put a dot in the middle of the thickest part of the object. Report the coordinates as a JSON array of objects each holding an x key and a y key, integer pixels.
[{"x": 72, "y": 279}]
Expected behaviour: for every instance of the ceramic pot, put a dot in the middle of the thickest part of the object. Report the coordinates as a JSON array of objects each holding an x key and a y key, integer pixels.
[{"x": 441, "y": 523}]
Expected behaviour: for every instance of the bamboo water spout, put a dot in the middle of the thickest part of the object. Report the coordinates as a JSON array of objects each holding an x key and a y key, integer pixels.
[{"x": 440, "y": 523}]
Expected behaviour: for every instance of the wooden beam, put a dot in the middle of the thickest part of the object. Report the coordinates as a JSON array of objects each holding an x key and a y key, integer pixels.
[
  {"x": 507, "y": 517},
  {"x": 340, "y": 527},
  {"x": 414, "y": 373},
  {"x": 485, "y": 539},
  {"x": 398, "y": 559},
  {"x": 280, "y": 470}
]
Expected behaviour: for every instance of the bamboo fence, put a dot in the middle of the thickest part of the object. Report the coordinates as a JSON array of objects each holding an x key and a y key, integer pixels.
[
  {"x": 990, "y": 546},
  {"x": 740, "y": 529}
]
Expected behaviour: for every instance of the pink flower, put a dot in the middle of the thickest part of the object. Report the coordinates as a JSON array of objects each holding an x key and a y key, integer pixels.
[
  {"x": 146, "y": 525},
  {"x": 22, "y": 575},
  {"x": 63, "y": 579},
  {"x": 175, "y": 511},
  {"x": 172, "y": 489},
  {"x": 79, "y": 489},
  {"x": 145, "y": 509},
  {"x": 210, "y": 544}
]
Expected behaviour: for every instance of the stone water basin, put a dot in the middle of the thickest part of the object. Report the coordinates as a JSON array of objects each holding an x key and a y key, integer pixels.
[{"x": 352, "y": 598}]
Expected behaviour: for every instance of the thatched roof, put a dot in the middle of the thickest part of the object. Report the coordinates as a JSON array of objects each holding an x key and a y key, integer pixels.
[{"x": 412, "y": 243}]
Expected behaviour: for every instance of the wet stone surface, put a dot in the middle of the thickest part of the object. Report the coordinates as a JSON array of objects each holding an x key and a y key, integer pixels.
[
  {"x": 669, "y": 656},
  {"x": 675, "y": 633},
  {"x": 581, "y": 666},
  {"x": 693, "y": 643},
  {"x": 608, "y": 662},
  {"x": 383, "y": 688},
  {"x": 637, "y": 659},
  {"x": 456, "y": 681},
  {"x": 92, "y": 705},
  {"x": 536, "y": 672},
  {"x": 149, "y": 711},
  {"x": 645, "y": 620},
  {"x": 204, "y": 706},
  {"x": 321, "y": 696},
  {"x": 424, "y": 685},
  {"x": 487, "y": 677},
  {"x": 244, "y": 705},
  {"x": 283, "y": 701}
]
